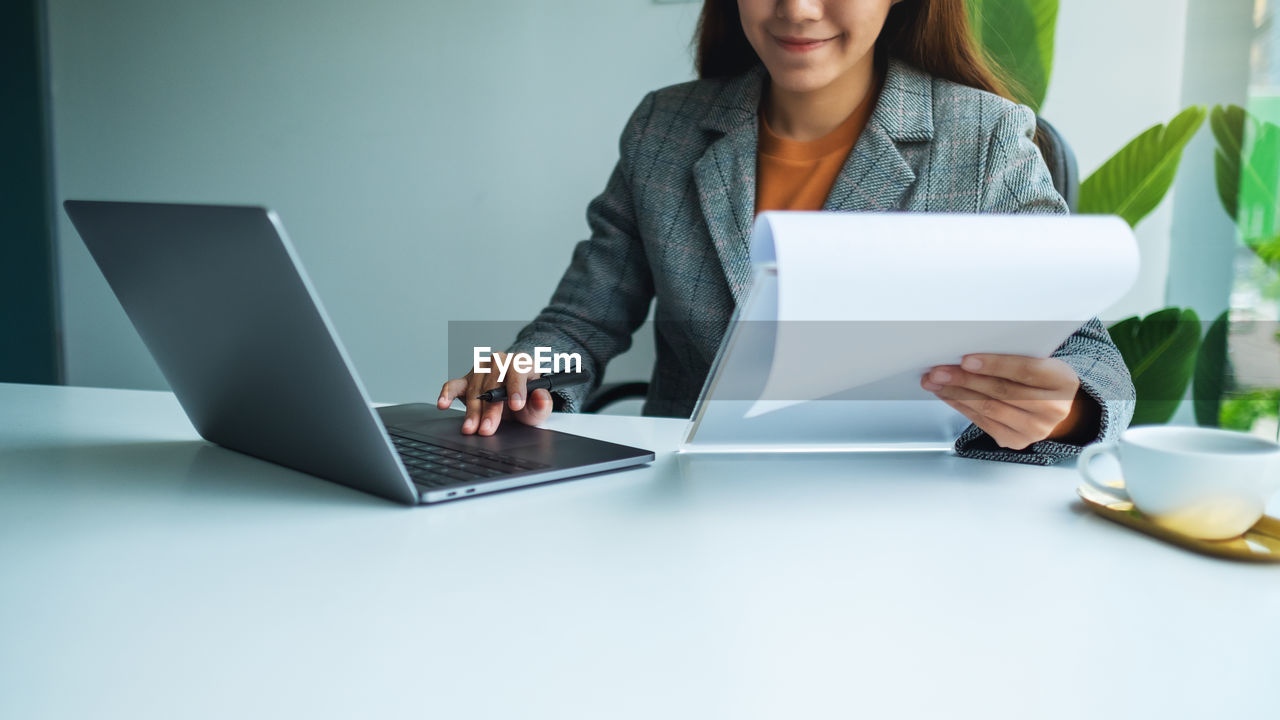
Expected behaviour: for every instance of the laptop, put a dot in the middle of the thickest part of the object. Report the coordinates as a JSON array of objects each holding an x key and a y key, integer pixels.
[{"x": 222, "y": 303}]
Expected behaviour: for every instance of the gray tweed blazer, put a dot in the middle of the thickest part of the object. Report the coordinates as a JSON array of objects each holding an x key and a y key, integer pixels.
[{"x": 674, "y": 220}]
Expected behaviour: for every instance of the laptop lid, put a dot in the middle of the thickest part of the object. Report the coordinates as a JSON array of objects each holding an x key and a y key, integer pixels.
[{"x": 225, "y": 308}]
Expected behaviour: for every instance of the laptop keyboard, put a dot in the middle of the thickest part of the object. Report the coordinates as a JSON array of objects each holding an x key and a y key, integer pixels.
[{"x": 438, "y": 466}]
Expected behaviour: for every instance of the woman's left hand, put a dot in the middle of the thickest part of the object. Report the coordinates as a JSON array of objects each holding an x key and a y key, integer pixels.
[{"x": 1017, "y": 400}]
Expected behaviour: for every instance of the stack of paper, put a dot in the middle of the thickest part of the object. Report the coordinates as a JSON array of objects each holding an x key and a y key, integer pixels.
[{"x": 852, "y": 308}]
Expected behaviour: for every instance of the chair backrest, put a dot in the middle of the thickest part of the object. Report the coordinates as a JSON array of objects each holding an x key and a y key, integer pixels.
[{"x": 1061, "y": 161}]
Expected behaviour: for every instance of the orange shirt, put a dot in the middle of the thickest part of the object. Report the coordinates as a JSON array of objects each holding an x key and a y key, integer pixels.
[{"x": 798, "y": 175}]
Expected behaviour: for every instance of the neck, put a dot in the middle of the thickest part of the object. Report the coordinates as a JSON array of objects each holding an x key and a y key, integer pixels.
[{"x": 809, "y": 115}]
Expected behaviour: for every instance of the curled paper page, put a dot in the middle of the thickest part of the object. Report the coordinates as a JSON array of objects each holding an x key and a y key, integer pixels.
[{"x": 872, "y": 301}]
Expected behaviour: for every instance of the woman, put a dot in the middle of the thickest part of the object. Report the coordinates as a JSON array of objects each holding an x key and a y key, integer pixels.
[{"x": 786, "y": 88}]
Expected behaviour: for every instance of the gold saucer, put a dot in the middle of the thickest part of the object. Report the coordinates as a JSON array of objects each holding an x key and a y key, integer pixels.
[{"x": 1260, "y": 543}]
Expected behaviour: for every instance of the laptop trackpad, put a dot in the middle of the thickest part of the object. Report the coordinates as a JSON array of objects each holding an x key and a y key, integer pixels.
[{"x": 445, "y": 427}]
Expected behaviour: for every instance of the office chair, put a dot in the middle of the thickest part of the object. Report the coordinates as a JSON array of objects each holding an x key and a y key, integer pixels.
[
  {"x": 1061, "y": 161},
  {"x": 1066, "y": 179}
]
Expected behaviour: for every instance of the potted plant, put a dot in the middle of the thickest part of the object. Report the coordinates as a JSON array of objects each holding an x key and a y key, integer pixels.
[{"x": 1163, "y": 350}]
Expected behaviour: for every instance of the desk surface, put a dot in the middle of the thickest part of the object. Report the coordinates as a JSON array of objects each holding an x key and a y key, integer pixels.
[{"x": 146, "y": 573}]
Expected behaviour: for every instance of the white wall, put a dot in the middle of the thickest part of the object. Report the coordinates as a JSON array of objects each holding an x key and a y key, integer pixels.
[
  {"x": 1118, "y": 71},
  {"x": 406, "y": 143},
  {"x": 1126, "y": 65},
  {"x": 1203, "y": 239}
]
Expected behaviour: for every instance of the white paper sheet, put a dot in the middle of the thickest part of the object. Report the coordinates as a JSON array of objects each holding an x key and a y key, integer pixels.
[{"x": 866, "y": 299}]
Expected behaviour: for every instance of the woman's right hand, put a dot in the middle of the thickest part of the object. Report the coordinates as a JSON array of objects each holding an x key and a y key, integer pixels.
[{"x": 483, "y": 416}]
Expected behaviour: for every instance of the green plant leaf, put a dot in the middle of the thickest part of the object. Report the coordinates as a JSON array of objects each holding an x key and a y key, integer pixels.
[
  {"x": 1160, "y": 352},
  {"x": 1267, "y": 250},
  {"x": 1212, "y": 374},
  {"x": 1258, "y": 211},
  {"x": 1247, "y": 169},
  {"x": 1246, "y": 166},
  {"x": 1227, "y": 124},
  {"x": 1242, "y": 411},
  {"x": 1134, "y": 181},
  {"x": 1018, "y": 35},
  {"x": 1227, "y": 173}
]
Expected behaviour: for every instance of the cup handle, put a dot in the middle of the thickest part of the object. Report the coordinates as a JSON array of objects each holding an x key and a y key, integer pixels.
[{"x": 1087, "y": 455}]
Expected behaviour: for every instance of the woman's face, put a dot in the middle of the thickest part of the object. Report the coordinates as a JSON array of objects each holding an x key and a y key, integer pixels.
[{"x": 807, "y": 44}]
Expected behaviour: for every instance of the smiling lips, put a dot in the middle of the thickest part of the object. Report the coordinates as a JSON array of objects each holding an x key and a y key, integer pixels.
[{"x": 801, "y": 45}]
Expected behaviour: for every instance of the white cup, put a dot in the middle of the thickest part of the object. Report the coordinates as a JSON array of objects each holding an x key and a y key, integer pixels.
[{"x": 1206, "y": 483}]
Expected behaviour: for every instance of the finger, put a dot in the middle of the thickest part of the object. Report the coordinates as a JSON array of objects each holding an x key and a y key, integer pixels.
[
  {"x": 537, "y": 409},
  {"x": 1002, "y": 389},
  {"x": 451, "y": 390},
  {"x": 1005, "y": 436},
  {"x": 491, "y": 416},
  {"x": 1046, "y": 373},
  {"x": 476, "y": 383},
  {"x": 490, "y": 412},
  {"x": 1019, "y": 420},
  {"x": 517, "y": 390}
]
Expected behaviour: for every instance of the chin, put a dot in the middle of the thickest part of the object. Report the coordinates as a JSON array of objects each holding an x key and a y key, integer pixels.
[{"x": 801, "y": 80}]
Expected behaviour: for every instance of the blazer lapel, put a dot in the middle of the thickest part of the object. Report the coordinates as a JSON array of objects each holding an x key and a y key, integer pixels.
[
  {"x": 875, "y": 176},
  {"x": 725, "y": 175}
]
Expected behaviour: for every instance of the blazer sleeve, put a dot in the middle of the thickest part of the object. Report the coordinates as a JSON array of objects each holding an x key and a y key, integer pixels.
[
  {"x": 605, "y": 294},
  {"x": 1017, "y": 181}
]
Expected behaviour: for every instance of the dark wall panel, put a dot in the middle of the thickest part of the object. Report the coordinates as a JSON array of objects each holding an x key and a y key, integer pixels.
[{"x": 29, "y": 348}]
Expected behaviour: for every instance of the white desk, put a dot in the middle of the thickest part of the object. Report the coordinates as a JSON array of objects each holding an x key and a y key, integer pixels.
[{"x": 144, "y": 573}]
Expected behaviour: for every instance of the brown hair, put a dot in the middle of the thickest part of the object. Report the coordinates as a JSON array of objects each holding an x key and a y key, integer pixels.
[{"x": 933, "y": 35}]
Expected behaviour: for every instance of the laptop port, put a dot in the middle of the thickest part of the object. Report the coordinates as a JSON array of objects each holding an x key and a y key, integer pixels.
[
  {"x": 470, "y": 490},
  {"x": 451, "y": 494}
]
